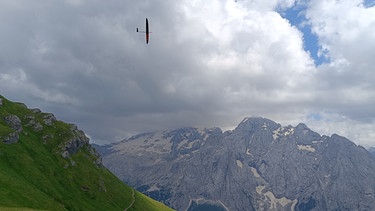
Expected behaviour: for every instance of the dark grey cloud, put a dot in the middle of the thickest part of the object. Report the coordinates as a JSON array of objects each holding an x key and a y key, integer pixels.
[{"x": 207, "y": 64}]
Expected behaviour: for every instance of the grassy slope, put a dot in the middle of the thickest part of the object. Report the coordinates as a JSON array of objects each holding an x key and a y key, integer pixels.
[{"x": 34, "y": 175}]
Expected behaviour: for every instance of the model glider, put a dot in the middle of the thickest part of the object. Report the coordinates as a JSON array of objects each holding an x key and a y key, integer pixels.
[{"x": 147, "y": 32}]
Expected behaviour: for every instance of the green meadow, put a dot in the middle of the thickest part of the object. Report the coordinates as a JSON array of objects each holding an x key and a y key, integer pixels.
[{"x": 35, "y": 176}]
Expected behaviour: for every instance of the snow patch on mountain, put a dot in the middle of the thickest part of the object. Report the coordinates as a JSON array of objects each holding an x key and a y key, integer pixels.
[{"x": 306, "y": 147}]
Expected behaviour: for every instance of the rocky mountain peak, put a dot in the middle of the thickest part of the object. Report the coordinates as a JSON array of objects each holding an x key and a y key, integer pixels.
[
  {"x": 260, "y": 165},
  {"x": 256, "y": 123}
]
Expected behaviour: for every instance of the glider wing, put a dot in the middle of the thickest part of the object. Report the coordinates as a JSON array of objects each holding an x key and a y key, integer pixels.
[{"x": 147, "y": 32}]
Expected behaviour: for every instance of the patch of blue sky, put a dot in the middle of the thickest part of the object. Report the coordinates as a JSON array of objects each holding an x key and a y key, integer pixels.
[
  {"x": 315, "y": 116},
  {"x": 295, "y": 15},
  {"x": 369, "y": 3}
]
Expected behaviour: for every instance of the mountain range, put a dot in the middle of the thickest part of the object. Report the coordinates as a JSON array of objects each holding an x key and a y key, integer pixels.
[
  {"x": 46, "y": 164},
  {"x": 259, "y": 165}
]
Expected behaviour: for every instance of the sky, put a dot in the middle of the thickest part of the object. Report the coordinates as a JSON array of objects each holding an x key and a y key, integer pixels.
[{"x": 208, "y": 64}]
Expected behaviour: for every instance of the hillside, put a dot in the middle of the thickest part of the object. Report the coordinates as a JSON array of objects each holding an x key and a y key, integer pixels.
[
  {"x": 260, "y": 165},
  {"x": 47, "y": 164}
]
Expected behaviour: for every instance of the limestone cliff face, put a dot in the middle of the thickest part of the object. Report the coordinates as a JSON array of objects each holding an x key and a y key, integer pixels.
[{"x": 260, "y": 165}]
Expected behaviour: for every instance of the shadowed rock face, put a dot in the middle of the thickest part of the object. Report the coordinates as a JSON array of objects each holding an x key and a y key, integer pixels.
[
  {"x": 15, "y": 124},
  {"x": 260, "y": 165},
  {"x": 11, "y": 138}
]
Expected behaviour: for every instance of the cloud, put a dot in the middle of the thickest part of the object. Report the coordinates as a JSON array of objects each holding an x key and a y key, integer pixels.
[
  {"x": 345, "y": 85},
  {"x": 207, "y": 64},
  {"x": 344, "y": 29}
]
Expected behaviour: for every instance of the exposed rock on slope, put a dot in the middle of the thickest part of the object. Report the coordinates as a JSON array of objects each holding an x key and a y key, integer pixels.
[{"x": 260, "y": 165}]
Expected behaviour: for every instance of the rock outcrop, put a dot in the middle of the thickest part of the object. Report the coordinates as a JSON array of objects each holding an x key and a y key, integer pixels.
[
  {"x": 78, "y": 141},
  {"x": 260, "y": 165},
  {"x": 11, "y": 138},
  {"x": 15, "y": 125},
  {"x": 37, "y": 121},
  {"x": 14, "y": 122}
]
